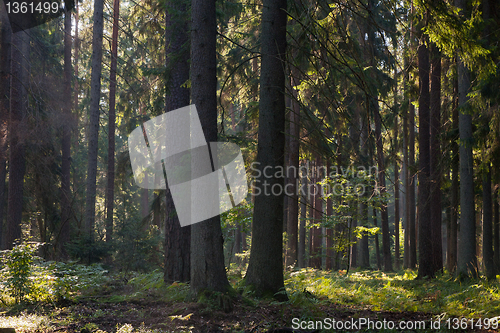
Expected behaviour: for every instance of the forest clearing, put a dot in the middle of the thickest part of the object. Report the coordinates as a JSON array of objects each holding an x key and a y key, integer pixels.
[{"x": 249, "y": 166}]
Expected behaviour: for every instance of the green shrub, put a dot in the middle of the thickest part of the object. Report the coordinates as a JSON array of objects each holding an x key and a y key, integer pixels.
[{"x": 18, "y": 270}]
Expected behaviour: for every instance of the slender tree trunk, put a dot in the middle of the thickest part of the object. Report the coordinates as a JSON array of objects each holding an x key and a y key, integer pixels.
[
  {"x": 396, "y": 189},
  {"x": 435, "y": 159},
  {"x": 293, "y": 177},
  {"x": 425, "y": 263},
  {"x": 488, "y": 261},
  {"x": 301, "y": 253},
  {"x": 377, "y": 243},
  {"x": 5, "y": 53},
  {"x": 18, "y": 109},
  {"x": 207, "y": 257},
  {"x": 64, "y": 233},
  {"x": 452, "y": 242},
  {"x": 496, "y": 231},
  {"x": 110, "y": 177},
  {"x": 93, "y": 130},
  {"x": 177, "y": 238},
  {"x": 315, "y": 253},
  {"x": 265, "y": 269}
]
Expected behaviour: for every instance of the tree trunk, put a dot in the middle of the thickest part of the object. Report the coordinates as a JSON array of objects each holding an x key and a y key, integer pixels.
[
  {"x": 425, "y": 263},
  {"x": 207, "y": 257},
  {"x": 396, "y": 189},
  {"x": 293, "y": 177},
  {"x": 377, "y": 243},
  {"x": 177, "y": 238},
  {"x": 452, "y": 242},
  {"x": 64, "y": 232},
  {"x": 5, "y": 53},
  {"x": 435, "y": 159},
  {"x": 496, "y": 231},
  {"x": 94, "y": 112},
  {"x": 488, "y": 261},
  {"x": 265, "y": 269},
  {"x": 18, "y": 107},
  {"x": 467, "y": 261},
  {"x": 301, "y": 253},
  {"x": 110, "y": 177},
  {"x": 316, "y": 238}
]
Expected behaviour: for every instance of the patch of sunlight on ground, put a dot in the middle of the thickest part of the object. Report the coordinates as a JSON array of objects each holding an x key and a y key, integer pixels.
[{"x": 26, "y": 323}]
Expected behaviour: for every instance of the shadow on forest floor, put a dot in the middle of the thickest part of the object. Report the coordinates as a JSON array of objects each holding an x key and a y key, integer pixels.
[{"x": 142, "y": 303}]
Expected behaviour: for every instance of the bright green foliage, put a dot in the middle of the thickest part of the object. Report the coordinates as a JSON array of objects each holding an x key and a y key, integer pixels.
[
  {"x": 400, "y": 291},
  {"x": 18, "y": 270}
]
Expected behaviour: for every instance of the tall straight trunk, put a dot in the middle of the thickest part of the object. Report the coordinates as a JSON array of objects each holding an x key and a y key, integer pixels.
[
  {"x": 292, "y": 173},
  {"x": 64, "y": 233},
  {"x": 110, "y": 177},
  {"x": 177, "y": 239},
  {"x": 94, "y": 112},
  {"x": 435, "y": 158},
  {"x": 425, "y": 263},
  {"x": 329, "y": 263},
  {"x": 386, "y": 249},
  {"x": 18, "y": 108},
  {"x": 496, "y": 231},
  {"x": 316, "y": 238},
  {"x": 5, "y": 53},
  {"x": 301, "y": 250},
  {"x": 396, "y": 190},
  {"x": 452, "y": 241},
  {"x": 467, "y": 261},
  {"x": 377, "y": 243},
  {"x": 265, "y": 269},
  {"x": 207, "y": 257},
  {"x": 488, "y": 261}
]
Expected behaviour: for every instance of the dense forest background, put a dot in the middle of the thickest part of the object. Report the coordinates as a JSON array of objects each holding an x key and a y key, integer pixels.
[{"x": 389, "y": 110}]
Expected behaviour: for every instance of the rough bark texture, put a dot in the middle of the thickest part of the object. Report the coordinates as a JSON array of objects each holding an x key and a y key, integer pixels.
[
  {"x": 488, "y": 262},
  {"x": 18, "y": 106},
  {"x": 435, "y": 158},
  {"x": 177, "y": 239},
  {"x": 93, "y": 129},
  {"x": 5, "y": 53},
  {"x": 425, "y": 262},
  {"x": 207, "y": 258},
  {"x": 64, "y": 232},
  {"x": 265, "y": 269},
  {"x": 110, "y": 177}
]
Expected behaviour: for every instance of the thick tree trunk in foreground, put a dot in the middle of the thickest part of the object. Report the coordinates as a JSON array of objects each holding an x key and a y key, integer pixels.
[
  {"x": 207, "y": 257},
  {"x": 177, "y": 239},
  {"x": 425, "y": 262},
  {"x": 467, "y": 261},
  {"x": 435, "y": 158},
  {"x": 18, "y": 107},
  {"x": 93, "y": 129},
  {"x": 265, "y": 269},
  {"x": 5, "y": 53}
]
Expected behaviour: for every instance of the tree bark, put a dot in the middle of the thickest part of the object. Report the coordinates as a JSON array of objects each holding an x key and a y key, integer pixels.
[
  {"x": 177, "y": 238},
  {"x": 467, "y": 261},
  {"x": 93, "y": 129},
  {"x": 265, "y": 269},
  {"x": 18, "y": 108},
  {"x": 207, "y": 257},
  {"x": 110, "y": 177},
  {"x": 64, "y": 232},
  {"x": 435, "y": 158},
  {"x": 301, "y": 253},
  {"x": 488, "y": 261},
  {"x": 425, "y": 263},
  {"x": 5, "y": 53}
]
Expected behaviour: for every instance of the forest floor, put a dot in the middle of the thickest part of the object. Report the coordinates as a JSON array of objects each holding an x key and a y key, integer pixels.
[{"x": 142, "y": 303}]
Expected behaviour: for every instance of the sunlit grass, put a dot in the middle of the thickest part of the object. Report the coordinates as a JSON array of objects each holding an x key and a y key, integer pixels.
[
  {"x": 27, "y": 323},
  {"x": 396, "y": 292}
]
